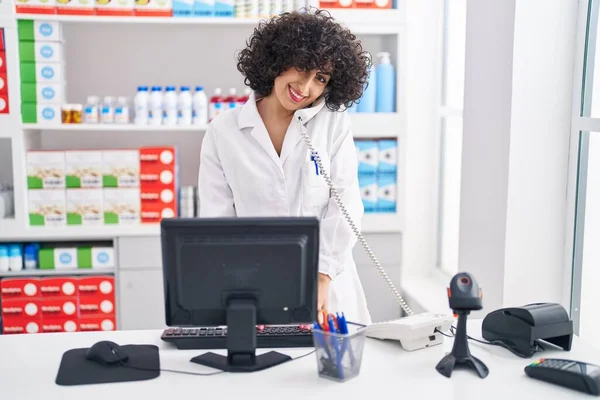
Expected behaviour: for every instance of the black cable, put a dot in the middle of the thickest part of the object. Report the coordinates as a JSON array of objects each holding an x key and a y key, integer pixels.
[
  {"x": 501, "y": 344},
  {"x": 445, "y": 334},
  {"x": 197, "y": 373}
]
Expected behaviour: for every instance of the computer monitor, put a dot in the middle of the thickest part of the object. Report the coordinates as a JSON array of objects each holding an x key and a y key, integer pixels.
[{"x": 240, "y": 272}]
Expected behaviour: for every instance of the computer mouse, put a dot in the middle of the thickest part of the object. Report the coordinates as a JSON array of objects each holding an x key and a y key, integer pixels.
[{"x": 106, "y": 353}]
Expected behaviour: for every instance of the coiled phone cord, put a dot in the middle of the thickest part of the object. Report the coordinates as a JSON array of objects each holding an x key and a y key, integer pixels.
[{"x": 346, "y": 214}]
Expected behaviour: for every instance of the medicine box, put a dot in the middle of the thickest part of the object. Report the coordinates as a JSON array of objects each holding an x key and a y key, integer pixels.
[
  {"x": 20, "y": 326},
  {"x": 387, "y": 196},
  {"x": 368, "y": 192},
  {"x": 121, "y": 168},
  {"x": 183, "y": 8},
  {"x": 41, "y": 113},
  {"x": 224, "y": 8},
  {"x": 59, "y": 307},
  {"x": 20, "y": 308},
  {"x": 76, "y": 7},
  {"x": 204, "y": 8},
  {"x": 102, "y": 257},
  {"x": 96, "y": 305},
  {"x": 47, "y": 207},
  {"x": 154, "y": 8},
  {"x": 97, "y": 286},
  {"x": 2, "y": 62},
  {"x": 58, "y": 258},
  {"x": 368, "y": 156},
  {"x": 152, "y": 213},
  {"x": 4, "y": 109},
  {"x": 43, "y": 93},
  {"x": 373, "y": 4},
  {"x": 46, "y": 169},
  {"x": 39, "y": 31},
  {"x": 85, "y": 207},
  {"x": 388, "y": 159},
  {"x": 60, "y": 324},
  {"x": 97, "y": 323},
  {"x": 35, "y": 6},
  {"x": 164, "y": 157},
  {"x": 115, "y": 8},
  {"x": 336, "y": 4},
  {"x": 3, "y": 83},
  {"x": 83, "y": 169},
  {"x": 14, "y": 288},
  {"x": 58, "y": 287},
  {"x": 42, "y": 72},
  {"x": 39, "y": 52},
  {"x": 122, "y": 206}
]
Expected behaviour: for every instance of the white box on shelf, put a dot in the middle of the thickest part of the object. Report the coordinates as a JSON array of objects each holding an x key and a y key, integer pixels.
[
  {"x": 47, "y": 207},
  {"x": 121, "y": 206},
  {"x": 85, "y": 207},
  {"x": 387, "y": 193},
  {"x": 121, "y": 168},
  {"x": 367, "y": 152},
  {"x": 43, "y": 93},
  {"x": 65, "y": 258},
  {"x": 388, "y": 156},
  {"x": 45, "y": 169},
  {"x": 41, "y": 113},
  {"x": 83, "y": 168},
  {"x": 40, "y": 30},
  {"x": 48, "y": 52},
  {"x": 368, "y": 192},
  {"x": 103, "y": 257}
]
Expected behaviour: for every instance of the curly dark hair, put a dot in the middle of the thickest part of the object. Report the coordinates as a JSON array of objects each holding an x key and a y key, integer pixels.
[{"x": 307, "y": 40}]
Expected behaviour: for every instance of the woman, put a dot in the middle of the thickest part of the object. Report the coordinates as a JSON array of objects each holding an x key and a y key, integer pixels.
[{"x": 303, "y": 69}]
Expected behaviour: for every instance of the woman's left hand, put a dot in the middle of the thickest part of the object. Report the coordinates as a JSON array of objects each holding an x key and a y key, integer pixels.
[{"x": 323, "y": 291}]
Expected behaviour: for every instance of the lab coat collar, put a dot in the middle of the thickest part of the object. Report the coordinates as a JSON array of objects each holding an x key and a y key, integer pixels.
[{"x": 250, "y": 118}]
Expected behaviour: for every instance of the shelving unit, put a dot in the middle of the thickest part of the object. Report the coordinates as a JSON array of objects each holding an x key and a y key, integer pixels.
[{"x": 168, "y": 51}]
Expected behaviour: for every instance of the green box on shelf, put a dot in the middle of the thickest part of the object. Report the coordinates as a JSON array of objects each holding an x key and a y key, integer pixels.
[
  {"x": 28, "y": 72},
  {"x": 27, "y": 51},
  {"x": 29, "y": 92},
  {"x": 29, "y": 113},
  {"x": 85, "y": 257},
  {"x": 43, "y": 31}
]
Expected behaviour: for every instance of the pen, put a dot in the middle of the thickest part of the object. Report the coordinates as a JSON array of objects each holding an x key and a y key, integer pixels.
[
  {"x": 312, "y": 158},
  {"x": 335, "y": 347},
  {"x": 343, "y": 326},
  {"x": 319, "y": 335}
]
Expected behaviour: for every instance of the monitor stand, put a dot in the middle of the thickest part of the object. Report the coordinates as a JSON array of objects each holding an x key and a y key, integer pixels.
[{"x": 241, "y": 343}]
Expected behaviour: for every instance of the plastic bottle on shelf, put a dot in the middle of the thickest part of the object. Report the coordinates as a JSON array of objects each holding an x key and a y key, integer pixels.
[
  {"x": 386, "y": 83},
  {"x": 30, "y": 256},
  {"x": 200, "y": 107},
  {"x": 107, "y": 115},
  {"x": 243, "y": 99},
  {"x": 4, "y": 260},
  {"x": 231, "y": 100},
  {"x": 15, "y": 257},
  {"x": 91, "y": 113},
  {"x": 368, "y": 101},
  {"x": 170, "y": 106},
  {"x": 184, "y": 106},
  {"x": 141, "y": 103},
  {"x": 216, "y": 104},
  {"x": 122, "y": 110},
  {"x": 155, "y": 106}
]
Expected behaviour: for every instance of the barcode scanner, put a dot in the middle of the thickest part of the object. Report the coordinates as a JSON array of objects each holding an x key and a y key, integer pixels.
[{"x": 464, "y": 295}]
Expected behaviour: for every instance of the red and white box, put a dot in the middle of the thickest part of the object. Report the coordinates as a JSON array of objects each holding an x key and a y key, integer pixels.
[
  {"x": 373, "y": 4},
  {"x": 97, "y": 286},
  {"x": 76, "y": 7},
  {"x": 59, "y": 307},
  {"x": 16, "y": 288},
  {"x": 336, "y": 4},
  {"x": 97, "y": 323},
  {"x": 158, "y": 183},
  {"x": 4, "y": 109},
  {"x": 21, "y": 325},
  {"x": 59, "y": 287},
  {"x": 96, "y": 305},
  {"x": 2, "y": 62},
  {"x": 54, "y": 325},
  {"x": 35, "y": 6},
  {"x": 162, "y": 157},
  {"x": 154, "y": 213},
  {"x": 2, "y": 44},
  {"x": 21, "y": 308}
]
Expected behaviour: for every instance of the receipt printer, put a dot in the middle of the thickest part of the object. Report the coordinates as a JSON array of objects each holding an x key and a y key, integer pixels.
[{"x": 521, "y": 327}]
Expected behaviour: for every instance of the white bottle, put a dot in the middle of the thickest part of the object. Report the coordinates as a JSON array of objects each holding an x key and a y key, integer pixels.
[
  {"x": 4, "y": 260},
  {"x": 141, "y": 104},
  {"x": 200, "y": 107},
  {"x": 107, "y": 115},
  {"x": 15, "y": 257},
  {"x": 155, "y": 109},
  {"x": 122, "y": 111},
  {"x": 91, "y": 114},
  {"x": 170, "y": 106},
  {"x": 184, "y": 106}
]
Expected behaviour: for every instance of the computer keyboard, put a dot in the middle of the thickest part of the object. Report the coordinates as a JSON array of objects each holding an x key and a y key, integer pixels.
[{"x": 271, "y": 336}]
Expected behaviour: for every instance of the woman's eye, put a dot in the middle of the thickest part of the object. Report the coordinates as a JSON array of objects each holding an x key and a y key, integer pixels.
[{"x": 321, "y": 79}]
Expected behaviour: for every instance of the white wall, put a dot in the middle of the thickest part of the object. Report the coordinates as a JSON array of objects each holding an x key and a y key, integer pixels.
[{"x": 516, "y": 134}]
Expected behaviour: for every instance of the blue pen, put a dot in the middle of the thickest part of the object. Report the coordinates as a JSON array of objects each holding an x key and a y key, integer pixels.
[
  {"x": 335, "y": 347},
  {"x": 312, "y": 158},
  {"x": 321, "y": 339},
  {"x": 343, "y": 326}
]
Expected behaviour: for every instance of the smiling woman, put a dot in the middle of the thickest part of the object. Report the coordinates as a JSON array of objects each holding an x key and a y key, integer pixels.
[{"x": 304, "y": 70}]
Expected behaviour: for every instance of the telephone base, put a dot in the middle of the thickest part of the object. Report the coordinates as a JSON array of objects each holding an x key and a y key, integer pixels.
[{"x": 414, "y": 332}]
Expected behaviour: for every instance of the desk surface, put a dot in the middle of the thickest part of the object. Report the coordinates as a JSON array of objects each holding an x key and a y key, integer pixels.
[{"x": 30, "y": 364}]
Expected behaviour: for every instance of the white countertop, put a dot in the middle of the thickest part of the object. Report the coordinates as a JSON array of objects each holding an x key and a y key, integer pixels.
[{"x": 30, "y": 364}]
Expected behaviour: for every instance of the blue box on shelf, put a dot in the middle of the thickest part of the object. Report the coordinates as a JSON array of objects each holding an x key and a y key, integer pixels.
[
  {"x": 388, "y": 156},
  {"x": 387, "y": 193},
  {"x": 368, "y": 192},
  {"x": 367, "y": 152}
]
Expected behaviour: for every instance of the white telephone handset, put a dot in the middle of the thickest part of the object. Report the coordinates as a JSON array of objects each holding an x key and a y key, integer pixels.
[{"x": 415, "y": 331}]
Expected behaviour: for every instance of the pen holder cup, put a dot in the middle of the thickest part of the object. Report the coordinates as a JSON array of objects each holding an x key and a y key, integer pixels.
[{"x": 339, "y": 355}]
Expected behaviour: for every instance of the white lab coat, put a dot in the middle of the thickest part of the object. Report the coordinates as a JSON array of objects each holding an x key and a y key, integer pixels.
[{"x": 242, "y": 175}]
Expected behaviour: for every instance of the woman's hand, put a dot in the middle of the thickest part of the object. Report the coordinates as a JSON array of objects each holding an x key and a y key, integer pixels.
[{"x": 323, "y": 291}]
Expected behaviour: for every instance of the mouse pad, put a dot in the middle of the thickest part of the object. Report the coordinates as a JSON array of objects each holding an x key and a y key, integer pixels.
[{"x": 75, "y": 369}]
